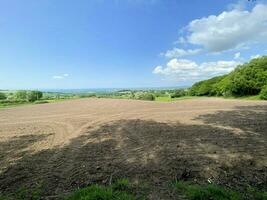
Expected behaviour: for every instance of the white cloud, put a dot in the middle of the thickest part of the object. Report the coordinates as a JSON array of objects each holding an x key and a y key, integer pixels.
[
  {"x": 60, "y": 76},
  {"x": 230, "y": 29},
  {"x": 187, "y": 70},
  {"x": 237, "y": 55},
  {"x": 176, "y": 52}
]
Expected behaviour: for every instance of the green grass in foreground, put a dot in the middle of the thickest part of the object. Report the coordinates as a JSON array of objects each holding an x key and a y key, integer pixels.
[
  {"x": 197, "y": 192},
  {"x": 117, "y": 191},
  {"x": 122, "y": 189},
  {"x": 23, "y": 194},
  {"x": 215, "y": 192}
]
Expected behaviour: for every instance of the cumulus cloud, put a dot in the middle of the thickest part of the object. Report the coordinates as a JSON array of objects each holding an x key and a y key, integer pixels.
[
  {"x": 176, "y": 52},
  {"x": 188, "y": 70},
  {"x": 229, "y": 30},
  {"x": 60, "y": 76}
]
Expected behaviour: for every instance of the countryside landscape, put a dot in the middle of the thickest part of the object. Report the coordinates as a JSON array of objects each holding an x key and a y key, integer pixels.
[{"x": 82, "y": 128}]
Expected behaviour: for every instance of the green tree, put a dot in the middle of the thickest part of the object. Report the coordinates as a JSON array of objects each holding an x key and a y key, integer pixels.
[
  {"x": 263, "y": 94},
  {"x": 178, "y": 93},
  {"x": 21, "y": 95},
  {"x": 2, "y": 96},
  {"x": 147, "y": 96},
  {"x": 246, "y": 79},
  {"x": 206, "y": 87},
  {"x": 34, "y": 95}
]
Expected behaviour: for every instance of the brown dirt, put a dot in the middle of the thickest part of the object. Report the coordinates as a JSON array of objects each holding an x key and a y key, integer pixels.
[{"x": 62, "y": 146}]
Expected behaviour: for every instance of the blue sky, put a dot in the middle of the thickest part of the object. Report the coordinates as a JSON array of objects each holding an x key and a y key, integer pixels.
[{"x": 125, "y": 43}]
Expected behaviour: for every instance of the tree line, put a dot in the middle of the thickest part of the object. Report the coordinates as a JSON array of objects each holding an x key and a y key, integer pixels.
[
  {"x": 24, "y": 95},
  {"x": 247, "y": 79}
]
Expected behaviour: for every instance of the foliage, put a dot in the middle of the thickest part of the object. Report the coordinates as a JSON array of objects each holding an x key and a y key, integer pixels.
[
  {"x": 178, "y": 93},
  {"x": 263, "y": 93},
  {"x": 6, "y": 103},
  {"x": 246, "y": 79},
  {"x": 249, "y": 78},
  {"x": 147, "y": 96},
  {"x": 205, "y": 88},
  {"x": 28, "y": 95},
  {"x": 21, "y": 95},
  {"x": 2, "y": 96},
  {"x": 34, "y": 95}
]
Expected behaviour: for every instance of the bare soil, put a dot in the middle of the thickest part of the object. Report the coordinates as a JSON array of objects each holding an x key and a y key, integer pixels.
[{"x": 59, "y": 147}]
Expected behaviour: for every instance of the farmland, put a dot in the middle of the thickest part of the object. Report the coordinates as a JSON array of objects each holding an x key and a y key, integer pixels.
[{"x": 59, "y": 147}]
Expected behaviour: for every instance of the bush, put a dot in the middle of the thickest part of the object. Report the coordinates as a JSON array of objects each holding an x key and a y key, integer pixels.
[
  {"x": 206, "y": 87},
  {"x": 41, "y": 102},
  {"x": 178, "y": 93},
  {"x": 2, "y": 96},
  {"x": 7, "y": 101},
  {"x": 34, "y": 95},
  {"x": 21, "y": 95},
  {"x": 263, "y": 94},
  {"x": 147, "y": 96}
]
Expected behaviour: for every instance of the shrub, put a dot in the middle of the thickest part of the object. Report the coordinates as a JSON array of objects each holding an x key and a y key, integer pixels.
[
  {"x": 263, "y": 94},
  {"x": 21, "y": 95},
  {"x": 8, "y": 101},
  {"x": 2, "y": 96},
  {"x": 206, "y": 87},
  {"x": 147, "y": 96},
  {"x": 34, "y": 95},
  {"x": 41, "y": 102},
  {"x": 178, "y": 93}
]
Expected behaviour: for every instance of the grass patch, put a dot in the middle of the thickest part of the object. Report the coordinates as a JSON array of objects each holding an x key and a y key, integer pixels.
[
  {"x": 257, "y": 194},
  {"x": 122, "y": 185},
  {"x": 2, "y": 197},
  {"x": 33, "y": 194},
  {"x": 24, "y": 193},
  {"x": 117, "y": 191},
  {"x": 214, "y": 192}
]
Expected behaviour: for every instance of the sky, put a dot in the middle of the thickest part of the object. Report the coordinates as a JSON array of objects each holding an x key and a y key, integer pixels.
[{"x": 71, "y": 44}]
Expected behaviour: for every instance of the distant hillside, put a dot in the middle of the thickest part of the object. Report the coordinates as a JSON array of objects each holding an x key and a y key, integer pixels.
[{"x": 247, "y": 79}]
